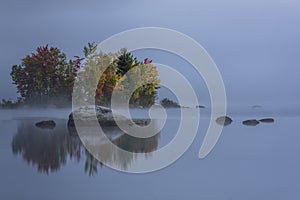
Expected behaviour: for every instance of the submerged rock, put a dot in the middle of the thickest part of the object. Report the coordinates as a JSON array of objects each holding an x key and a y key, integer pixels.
[
  {"x": 251, "y": 122},
  {"x": 256, "y": 106},
  {"x": 267, "y": 120},
  {"x": 224, "y": 120},
  {"x": 50, "y": 124},
  {"x": 104, "y": 116}
]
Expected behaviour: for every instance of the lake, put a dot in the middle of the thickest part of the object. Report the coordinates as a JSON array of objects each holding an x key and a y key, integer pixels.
[{"x": 248, "y": 162}]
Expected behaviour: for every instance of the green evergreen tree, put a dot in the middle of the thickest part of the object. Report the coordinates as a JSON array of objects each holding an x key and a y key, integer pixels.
[{"x": 125, "y": 62}]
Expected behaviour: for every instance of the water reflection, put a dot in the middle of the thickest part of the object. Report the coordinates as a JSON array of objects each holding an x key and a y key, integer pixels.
[{"x": 49, "y": 150}]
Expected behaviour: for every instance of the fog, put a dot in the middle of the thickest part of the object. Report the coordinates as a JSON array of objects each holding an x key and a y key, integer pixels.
[
  {"x": 35, "y": 113},
  {"x": 255, "y": 44}
]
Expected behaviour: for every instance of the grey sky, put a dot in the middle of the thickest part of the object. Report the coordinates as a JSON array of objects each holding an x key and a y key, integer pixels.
[{"x": 255, "y": 44}]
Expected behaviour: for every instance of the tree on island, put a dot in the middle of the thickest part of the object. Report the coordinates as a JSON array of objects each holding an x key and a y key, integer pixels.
[
  {"x": 45, "y": 77},
  {"x": 167, "y": 103},
  {"x": 104, "y": 70},
  {"x": 146, "y": 94}
]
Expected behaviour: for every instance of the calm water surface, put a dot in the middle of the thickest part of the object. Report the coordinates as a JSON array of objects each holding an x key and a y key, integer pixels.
[{"x": 259, "y": 162}]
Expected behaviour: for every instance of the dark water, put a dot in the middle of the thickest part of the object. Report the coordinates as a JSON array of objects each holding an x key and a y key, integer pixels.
[{"x": 259, "y": 162}]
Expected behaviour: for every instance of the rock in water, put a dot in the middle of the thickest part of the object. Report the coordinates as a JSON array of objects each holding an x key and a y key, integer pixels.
[
  {"x": 256, "y": 106},
  {"x": 104, "y": 116},
  {"x": 200, "y": 106},
  {"x": 251, "y": 122},
  {"x": 224, "y": 120},
  {"x": 50, "y": 124},
  {"x": 267, "y": 120},
  {"x": 167, "y": 103}
]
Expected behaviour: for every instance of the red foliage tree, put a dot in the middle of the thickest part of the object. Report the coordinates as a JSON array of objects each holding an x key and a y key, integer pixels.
[{"x": 45, "y": 76}]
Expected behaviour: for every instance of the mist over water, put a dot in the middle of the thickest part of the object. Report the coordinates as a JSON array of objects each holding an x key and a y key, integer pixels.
[
  {"x": 37, "y": 113},
  {"x": 246, "y": 84},
  {"x": 261, "y": 158},
  {"x": 255, "y": 45}
]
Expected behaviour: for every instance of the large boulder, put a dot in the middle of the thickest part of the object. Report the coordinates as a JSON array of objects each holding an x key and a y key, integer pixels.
[{"x": 104, "y": 116}]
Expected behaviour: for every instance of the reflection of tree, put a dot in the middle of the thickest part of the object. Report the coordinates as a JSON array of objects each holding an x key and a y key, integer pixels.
[
  {"x": 91, "y": 164},
  {"x": 117, "y": 157},
  {"x": 137, "y": 145},
  {"x": 49, "y": 150}
]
